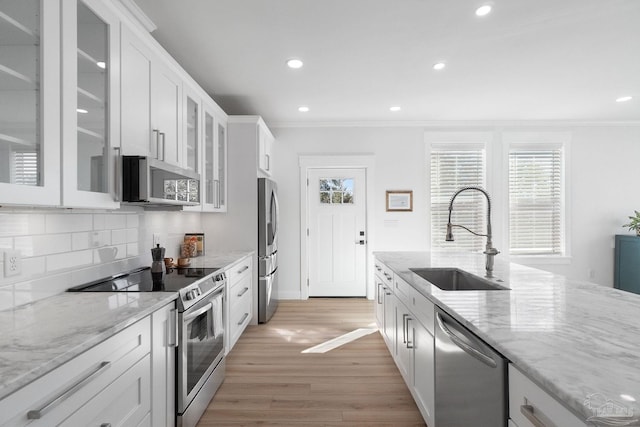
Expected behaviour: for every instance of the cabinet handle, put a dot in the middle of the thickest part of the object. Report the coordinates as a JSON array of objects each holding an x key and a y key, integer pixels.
[
  {"x": 243, "y": 269},
  {"x": 156, "y": 132},
  {"x": 172, "y": 341},
  {"x": 378, "y": 268},
  {"x": 243, "y": 319},
  {"x": 409, "y": 343},
  {"x": 268, "y": 161},
  {"x": 379, "y": 293},
  {"x": 242, "y": 292},
  {"x": 162, "y": 135},
  {"x": 385, "y": 291},
  {"x": 217, "y": 182},
  {"x": 387, "y": 276},
  {"x": 39, "y": 413},
  {"x": 117, "y": 189},
  {"x": 404, "y": 328},
  {"x": 527, "y": 411}
]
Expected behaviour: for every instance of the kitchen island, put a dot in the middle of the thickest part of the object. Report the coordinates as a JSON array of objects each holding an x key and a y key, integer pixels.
[{"x": 575, "y": 339}]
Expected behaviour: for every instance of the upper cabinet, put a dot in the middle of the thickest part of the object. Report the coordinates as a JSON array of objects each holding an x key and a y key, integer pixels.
[
  {"x": 30, "y": 102},
  {"x": 265, "y": 148},
  {"x": 90, "y": 104},
  {"x": 192, "y": 135},
  {"x": 214, "y": 171}
]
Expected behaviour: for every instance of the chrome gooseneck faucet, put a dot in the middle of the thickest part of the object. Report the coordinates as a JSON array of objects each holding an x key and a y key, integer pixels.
[{"x": 490, "y": 251}]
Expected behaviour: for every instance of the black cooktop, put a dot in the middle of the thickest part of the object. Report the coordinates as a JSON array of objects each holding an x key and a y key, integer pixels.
[{"x": 141, "y": 280}]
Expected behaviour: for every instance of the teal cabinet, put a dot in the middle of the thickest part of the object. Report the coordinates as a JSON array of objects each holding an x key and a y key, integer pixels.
[{"x": 627, "y": 263}]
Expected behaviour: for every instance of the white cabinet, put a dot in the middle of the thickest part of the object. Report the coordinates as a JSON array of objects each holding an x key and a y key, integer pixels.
[
  {"x": 191, "y": 129},
  {"x": 379, "y": 306},
  {"x": 531, "y": 406},
  {"x": 164, "y": 335},
  {"x": 90, "y": 104},
  {"x": 423, "y": 370},
  {"x": 404, "y": 343},
  {"x": 30, "y": 102},
  {"x": 90, "y": 385},
  {"x": 239, "y": 299},
  {"x": 152, "y": 107},
  {"x": 265, "y": 149},
  {"x": 252, "y": 133},
  {"x": 214, "y": 171}
]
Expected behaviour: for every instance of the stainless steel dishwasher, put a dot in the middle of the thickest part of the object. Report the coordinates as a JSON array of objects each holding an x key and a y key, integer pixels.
[{"x": 470, "y": 378}]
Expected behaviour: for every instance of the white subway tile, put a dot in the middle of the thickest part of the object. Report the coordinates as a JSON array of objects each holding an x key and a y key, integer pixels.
[
  {"x": 80, "y": 241},
  {"x": 6, "y": 297},
  {"x": 132, "y": 249},
  {"x": 132, "y": 221},
  {"x": 69, "y": 260},
  {"x": 45, "y": 244},
  {"x": 34, "y": 290},
  {"x": 15, "y": 224},
  {"x": 118, "y": 236},
  {"x": 33, "y": 266},
  {"x": 6, "y": 243},
  {"x": 132, "y": 235},
  {"x": 122, "y": 251},
  {"x": 115, "y": 221},
  {"x": 65, "y": 223},
  {"x": 98, "y": 221}
]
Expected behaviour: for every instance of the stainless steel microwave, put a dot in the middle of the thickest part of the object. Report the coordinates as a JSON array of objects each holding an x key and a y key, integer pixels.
[{"x": 153, "y": 183}]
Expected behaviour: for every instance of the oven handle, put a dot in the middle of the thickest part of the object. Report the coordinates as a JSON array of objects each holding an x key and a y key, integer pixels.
[{"x": 198, "y": 312}]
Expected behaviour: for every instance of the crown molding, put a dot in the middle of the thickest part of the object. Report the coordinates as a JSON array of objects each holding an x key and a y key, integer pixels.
[
  {"x": 139, "y": 15},
  {"x": 478, "y": 124}
]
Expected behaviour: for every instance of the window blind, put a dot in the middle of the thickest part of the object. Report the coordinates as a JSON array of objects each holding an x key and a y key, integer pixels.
[
  {"x": 25, "y": 168},
  {"x": 536, "y": 201},
  {"x": 451, "y": 169}
]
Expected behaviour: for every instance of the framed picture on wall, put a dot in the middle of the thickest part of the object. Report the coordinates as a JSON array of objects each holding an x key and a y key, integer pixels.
[{"x": 399, "y": 201}]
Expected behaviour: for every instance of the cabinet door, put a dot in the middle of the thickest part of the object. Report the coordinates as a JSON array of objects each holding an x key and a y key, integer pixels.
[
  {"x": 265, "y": 145},
  {"x": 379, "y": 309},
  {"x": 191, "y": 130},
  {"x": 166, "y": 117},
  {"x": 126, "y": 402},
  {"x": 389, "y": 319},
  {"x": 404, "y": 343},
  {"x": 163, "y": 369},
  {"x": 90, "y": 104},
  {"x": 221, "y": 167},
  {"x": 30, "y": 102},
  {"x": 137, "y": 137},
  {"x": 423, "y": 371}
]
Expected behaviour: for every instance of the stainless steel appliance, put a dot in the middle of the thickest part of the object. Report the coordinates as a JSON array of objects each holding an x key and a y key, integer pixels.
[
  {"x": 153, "y": 183},
  {"x": 470, "y": 378},
  {"x": 200, "y": 331},
  {"x": 267, "y": 249}
]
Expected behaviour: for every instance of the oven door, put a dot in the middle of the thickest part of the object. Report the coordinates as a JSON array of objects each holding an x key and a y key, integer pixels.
[{"x": 201, "y": 346}]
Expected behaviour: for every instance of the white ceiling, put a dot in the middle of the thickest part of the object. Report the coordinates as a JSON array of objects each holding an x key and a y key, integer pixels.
[{"x": 527, "y": 60}]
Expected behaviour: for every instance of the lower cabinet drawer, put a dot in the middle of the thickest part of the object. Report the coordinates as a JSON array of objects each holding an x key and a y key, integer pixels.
[
  {"x": 126, "y": 402},
  {"x": 239, "y": 317},
  {"x": 51, "y": 399},
  {"x": 530, "y": 406},
  {"x": 239, "y": 291}
]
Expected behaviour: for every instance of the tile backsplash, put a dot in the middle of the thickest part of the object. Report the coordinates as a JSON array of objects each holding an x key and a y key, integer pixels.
[{"x": 60, "y": 249}]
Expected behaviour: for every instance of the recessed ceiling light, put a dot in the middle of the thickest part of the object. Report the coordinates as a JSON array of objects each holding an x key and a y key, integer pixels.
[
  {"x": 624, "y": 99},
  {"x": 294, "y": 63},
  {"x": 101, "y": 64},
  {"x": 439, "y": 65},
  {"x": 303, "y": 109},
  {"x": 81, "y": 111},
  {"x": 395, "y": 108},
  {"x": 483, "y": 10}
]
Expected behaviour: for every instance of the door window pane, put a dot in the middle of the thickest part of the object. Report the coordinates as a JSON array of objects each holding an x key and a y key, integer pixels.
[
  {"x": 92, "y": 111},
  {"x": 20, "y": 60},
  {"x": 336, "y": 190}
]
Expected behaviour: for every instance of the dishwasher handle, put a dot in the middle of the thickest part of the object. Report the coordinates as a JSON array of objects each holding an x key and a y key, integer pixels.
[{"x": 487, "y": 360}]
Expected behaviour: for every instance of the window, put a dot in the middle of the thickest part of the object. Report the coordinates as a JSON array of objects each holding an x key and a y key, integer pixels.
[
  {"x": 454, "y": 166},
  {"x": 536, "y": 193},
  {"x": 336, "y": 191}
]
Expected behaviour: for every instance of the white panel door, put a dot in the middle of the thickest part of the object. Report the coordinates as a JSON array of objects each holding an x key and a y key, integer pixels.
[{"x": 337, "y": 234}]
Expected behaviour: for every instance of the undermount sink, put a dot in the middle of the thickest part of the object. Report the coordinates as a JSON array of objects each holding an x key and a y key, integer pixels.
[{"x": 452, "y": 279}]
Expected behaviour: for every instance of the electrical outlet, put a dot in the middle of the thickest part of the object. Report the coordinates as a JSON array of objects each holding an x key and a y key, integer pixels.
[
  {"x": 156, "y": 239},
  {"x": 12, "y": 263}
]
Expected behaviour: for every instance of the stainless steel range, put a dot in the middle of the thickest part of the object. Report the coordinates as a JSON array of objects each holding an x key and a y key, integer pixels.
[{"x": 200, "y": 348}]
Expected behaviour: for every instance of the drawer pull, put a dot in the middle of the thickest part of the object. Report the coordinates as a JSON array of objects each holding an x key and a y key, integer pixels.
[
  {"x": 243, "y": 269},
  {"x": 378, "y": 268},
  {"x": 387, "y": 276},
  {"x": 243, "y": 319},
  {"x": 39, "y": 413},
  {"x": 385, "y": 290},
  {"x": 379, "y": 293},
  {"x": 242, "y": 292},
  {"x": 173, "y": 328},
  {"x": 527, "y": 411}
]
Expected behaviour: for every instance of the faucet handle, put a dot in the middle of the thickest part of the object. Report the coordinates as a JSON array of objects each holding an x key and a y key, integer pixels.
[{"x": 491, "y": 251}]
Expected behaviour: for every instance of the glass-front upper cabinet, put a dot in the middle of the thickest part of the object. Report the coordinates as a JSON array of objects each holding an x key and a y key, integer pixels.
[
  {"x": 214, "y": 175},
  {"x": 29, "y": 102},
  {"x": 90, "y": 83},
  {"x": 191, "y": 131}
]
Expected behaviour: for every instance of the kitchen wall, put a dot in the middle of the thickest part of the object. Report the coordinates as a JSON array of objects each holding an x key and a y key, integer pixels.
[
  {"x": 61, "y": 248},
  {"x": 603, "y": 192}
]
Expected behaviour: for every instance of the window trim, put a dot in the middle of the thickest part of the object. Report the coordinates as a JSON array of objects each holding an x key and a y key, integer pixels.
[{"x": 540, "y": 140}]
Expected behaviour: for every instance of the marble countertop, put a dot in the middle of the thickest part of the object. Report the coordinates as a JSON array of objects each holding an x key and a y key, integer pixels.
[
  {"x": 575, "y": 339},
  {"x": 38, "y": 337}
]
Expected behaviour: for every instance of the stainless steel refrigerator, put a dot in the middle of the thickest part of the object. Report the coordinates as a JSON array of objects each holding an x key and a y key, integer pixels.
[{"x": 267, "y": 249}]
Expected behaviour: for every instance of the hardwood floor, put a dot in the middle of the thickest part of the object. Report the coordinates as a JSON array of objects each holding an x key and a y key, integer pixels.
[{"x": 270, "y": 382}]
